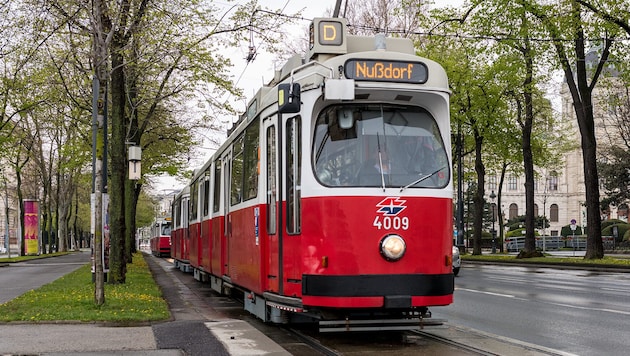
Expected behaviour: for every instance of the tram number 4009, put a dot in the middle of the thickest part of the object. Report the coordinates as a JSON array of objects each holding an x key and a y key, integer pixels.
[{"x": 391, "y": 222}]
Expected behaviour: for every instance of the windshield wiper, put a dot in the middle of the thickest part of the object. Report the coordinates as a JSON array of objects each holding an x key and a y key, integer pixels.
[
  {"x": 421, "y": 179},
  {"x": 380, "y": 162}
]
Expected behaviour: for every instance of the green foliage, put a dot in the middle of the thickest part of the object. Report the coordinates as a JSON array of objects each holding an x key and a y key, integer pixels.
[
  {"x": 565, "y": 261},
  {"x": 145, "y": 212},
  {"x": 518, "y": 233},
  {"x": 614, "y": 172},
  {"x": 609, "y": 222},
  {"x": 518, "y": 223},
  {"x": 622, "y": 228},
  {"x": 566, "y": 230}
]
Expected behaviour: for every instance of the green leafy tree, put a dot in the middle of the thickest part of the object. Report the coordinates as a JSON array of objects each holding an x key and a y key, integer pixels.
[
  {"x": 155, "y": 58},
  {"x": 569, "y": 25}
]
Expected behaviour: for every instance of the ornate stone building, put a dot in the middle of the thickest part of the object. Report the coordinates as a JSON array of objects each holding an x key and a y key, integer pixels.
[{"x": 560, "y": 192}]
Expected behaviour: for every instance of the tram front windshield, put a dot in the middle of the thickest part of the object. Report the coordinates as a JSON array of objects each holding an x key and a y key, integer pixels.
[
  {"x": 166, "y": 228},
  {"x": 384, "y": 146}
]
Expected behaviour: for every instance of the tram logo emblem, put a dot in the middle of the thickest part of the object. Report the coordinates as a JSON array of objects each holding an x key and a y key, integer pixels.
[{"x": 391, "y": 206}]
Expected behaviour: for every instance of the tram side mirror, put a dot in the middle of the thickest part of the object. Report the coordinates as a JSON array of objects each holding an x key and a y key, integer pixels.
[
  {"x": 345, "y": 118},
  {"x": 289, "y": 98}
]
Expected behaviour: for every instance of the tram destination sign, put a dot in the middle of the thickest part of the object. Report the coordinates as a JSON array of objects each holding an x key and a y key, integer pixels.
[{"x": 386, "y": 71}]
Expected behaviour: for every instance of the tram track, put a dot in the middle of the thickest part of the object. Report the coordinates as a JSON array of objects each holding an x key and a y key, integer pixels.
[
  {"x": 453, "y": 343},
  {"x": 305, "y": 340},
  {"x": 313, "y": 343},
  {"x": 399, "y": 343},
  {"x": 508, "y": 346}
]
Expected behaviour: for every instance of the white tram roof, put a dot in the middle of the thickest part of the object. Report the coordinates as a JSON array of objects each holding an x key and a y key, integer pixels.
[{"x": 325, "y": 59}]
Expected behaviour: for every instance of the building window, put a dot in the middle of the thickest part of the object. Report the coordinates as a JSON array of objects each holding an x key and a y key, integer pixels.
[
  {"x": 536, "y": 210},
  {"x": 552, "y": 183},
  {"x": 553, "y": 213},
  {"x": 512, "y": 183},
  {"x": 492, "y": 183},
  {"x": 513, "y": 211}
]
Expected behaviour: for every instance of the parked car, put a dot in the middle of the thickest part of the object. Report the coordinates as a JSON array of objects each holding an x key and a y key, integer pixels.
[{"x": 457, "y": 261}]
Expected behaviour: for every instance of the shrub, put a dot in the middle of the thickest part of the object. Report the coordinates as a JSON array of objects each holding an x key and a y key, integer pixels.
[
  {"x": 609, "y": 222},
  {"x": 519, "y": 233},
  {"x": 566, "y": 231},
  {"x": 622, "y": 229}
]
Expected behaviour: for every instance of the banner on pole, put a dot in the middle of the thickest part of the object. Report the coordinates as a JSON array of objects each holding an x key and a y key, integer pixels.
[
  {"x": 105, "y": 229},
  {"x": 31, "y": 227}
]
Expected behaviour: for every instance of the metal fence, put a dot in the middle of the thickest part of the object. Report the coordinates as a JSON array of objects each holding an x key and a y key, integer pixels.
[{"x": 578, "y": 242}]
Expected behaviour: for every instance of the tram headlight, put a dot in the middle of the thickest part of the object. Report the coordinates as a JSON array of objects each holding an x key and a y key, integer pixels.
[{"x": 393, "y": 247}]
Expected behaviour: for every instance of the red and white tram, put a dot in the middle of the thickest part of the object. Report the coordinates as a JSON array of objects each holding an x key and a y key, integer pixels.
[
  {"x": 179, "y": 232},
  {"x": 332, "y": 197},
  {"x": 161, "y": 237}
]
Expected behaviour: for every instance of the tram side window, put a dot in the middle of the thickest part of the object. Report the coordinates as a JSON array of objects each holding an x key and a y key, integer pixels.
[
  {"x": 206, "y": 195},
  {"x": 193, "y": 202},
  {"x": 271, "y": 180},
  {"x": 294, "y": 165},
  {"x": 236, "y": 185},
  {"x": 184, "y": 209},
  {"x": 245, "y": 158},
  {"x": 251, "y": 159},
  {"x": 175, "y": 213},
  {"x": 216, "y": 202}
]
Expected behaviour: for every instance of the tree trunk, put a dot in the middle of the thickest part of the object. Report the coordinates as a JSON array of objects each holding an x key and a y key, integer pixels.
[
  {"x": 529, "y": 249},
  {"x": 118, "y": 163},
  {"x": 594, "y": 245},
  {"x": 581, "y": 93},
  {"x": 478, "y": 198}
]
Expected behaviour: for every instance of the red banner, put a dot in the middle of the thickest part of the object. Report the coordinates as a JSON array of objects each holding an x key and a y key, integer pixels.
[{"x": 31, "y": 227}]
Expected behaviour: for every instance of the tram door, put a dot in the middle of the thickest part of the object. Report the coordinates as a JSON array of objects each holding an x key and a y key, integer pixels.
[
  {"x": 227, "y": 219},
  {"x": 283, "y": 204},
  {"x": 270, "y": 144},
  {"x": 292, "y": 196}
]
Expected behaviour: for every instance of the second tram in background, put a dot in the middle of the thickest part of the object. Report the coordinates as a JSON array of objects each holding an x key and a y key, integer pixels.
[
  {"x": 179, "y": 234},
  {"x": 331, "y": 199},
  {"x": 161, "y": 237}
]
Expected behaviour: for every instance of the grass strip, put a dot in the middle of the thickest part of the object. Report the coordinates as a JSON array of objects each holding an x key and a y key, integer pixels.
[
  {"x": 607, "y": 261},
  {"x": 71, "y": 298},
  {"x": 31, "y": 257}
]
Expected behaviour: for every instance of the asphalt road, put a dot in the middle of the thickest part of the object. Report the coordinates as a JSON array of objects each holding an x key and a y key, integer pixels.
[
  {"x": 31, "y": 274},
  {"x": 575, "y": 311}
]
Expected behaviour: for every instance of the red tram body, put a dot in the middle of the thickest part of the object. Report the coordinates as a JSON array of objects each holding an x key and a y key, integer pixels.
[
  {"x": 161, "y": 237},
  {"x": 332, "y": 197},
  {"x": 180, "y": 250}
]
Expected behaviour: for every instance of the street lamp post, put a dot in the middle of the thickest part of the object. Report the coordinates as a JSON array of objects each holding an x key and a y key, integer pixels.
[
  {"x": 494, "y": 232},
  {"x": 573, "y": 227}
]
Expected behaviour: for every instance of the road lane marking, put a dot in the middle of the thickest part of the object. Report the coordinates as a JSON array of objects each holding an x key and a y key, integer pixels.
[
  {"x": 616, "y": 289},
  {"x": 607, "y": 310},
  {"x": 488, "y": 293},
  {"x": 589, "y": 308}
]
